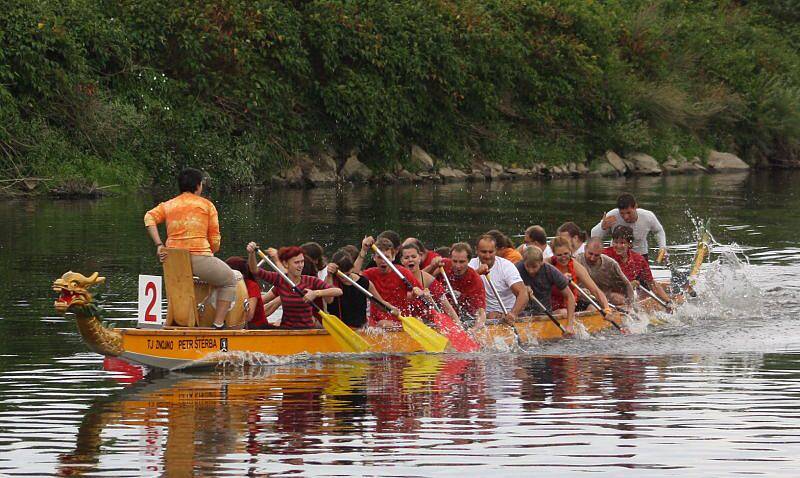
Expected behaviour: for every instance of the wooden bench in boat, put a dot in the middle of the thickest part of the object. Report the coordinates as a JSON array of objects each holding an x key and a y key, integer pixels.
[{"x": 183, "y": 292}]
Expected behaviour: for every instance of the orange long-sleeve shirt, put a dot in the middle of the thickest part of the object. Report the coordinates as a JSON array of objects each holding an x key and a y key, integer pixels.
[{"x": 192, "y": 223}]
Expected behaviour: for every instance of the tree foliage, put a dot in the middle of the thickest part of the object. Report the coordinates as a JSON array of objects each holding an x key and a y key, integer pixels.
[{"x": 128, "y": 91}]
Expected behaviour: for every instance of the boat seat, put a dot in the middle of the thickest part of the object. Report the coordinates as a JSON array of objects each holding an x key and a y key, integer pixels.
[{"x": 179, "y": 282}]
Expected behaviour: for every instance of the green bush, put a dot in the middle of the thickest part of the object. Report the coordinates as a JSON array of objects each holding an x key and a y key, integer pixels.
[{"x": 132, "y": 91}]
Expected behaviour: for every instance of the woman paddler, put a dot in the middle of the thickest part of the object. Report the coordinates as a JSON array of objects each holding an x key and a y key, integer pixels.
[
  {"x": 254, "y": 309},
  {"x": 351, "y": 306},
  {"x": 411, "y": 258},
  {"x": 563, "y": 261},
  {"x": 297, "y": 310},
  {"x": 193, "y": 224}
]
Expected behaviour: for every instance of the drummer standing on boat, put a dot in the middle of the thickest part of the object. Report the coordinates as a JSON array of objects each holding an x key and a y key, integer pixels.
[
  {"x": 642, "y": 221},
  {"x": 193, "y": 224}
]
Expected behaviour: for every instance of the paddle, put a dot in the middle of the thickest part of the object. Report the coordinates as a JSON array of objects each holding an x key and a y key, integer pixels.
[
  {"x": 503, "y": 306},
  {"x": 450, "y": 289},
  {"x": 429, "y": 339},
  {"x": 596, "y": 305},
  {"x": 455, "y": 334},
  {"x": 343, "y": 334},
  {"x": 655, "y": 298},
  {"x": 547, "y": 312}
]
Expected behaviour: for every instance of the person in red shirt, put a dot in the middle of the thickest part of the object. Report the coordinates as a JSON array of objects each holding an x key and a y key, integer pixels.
[
  {"x": 429, "y": 260},
  {"x": 466, "y": 283},
  {"x": 410, "y": 257},
  {"x": 633, "y": 264},
  {"x": 297, "y": 310},
  {"x": 255, "y": 316},
  {"x": 391, "y": 288}
]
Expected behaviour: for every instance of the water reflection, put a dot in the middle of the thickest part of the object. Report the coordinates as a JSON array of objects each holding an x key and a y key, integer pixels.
[{"x": 482, "y": 414}]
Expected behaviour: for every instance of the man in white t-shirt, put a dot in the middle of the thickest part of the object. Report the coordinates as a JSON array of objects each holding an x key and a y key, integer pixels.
[
  {"x": 505, "y": 278},
  {"x": 642, "y": 221}
]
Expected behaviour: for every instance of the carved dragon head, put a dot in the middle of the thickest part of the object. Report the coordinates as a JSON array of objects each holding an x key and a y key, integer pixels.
[{"x": 73, "y": 291}]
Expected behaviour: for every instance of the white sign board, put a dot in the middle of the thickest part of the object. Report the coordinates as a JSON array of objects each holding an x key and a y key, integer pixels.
[{"x": 150, "y": 315}]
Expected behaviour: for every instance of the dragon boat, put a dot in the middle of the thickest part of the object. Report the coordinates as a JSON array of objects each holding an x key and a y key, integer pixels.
[{"x": 188, "y": 340}]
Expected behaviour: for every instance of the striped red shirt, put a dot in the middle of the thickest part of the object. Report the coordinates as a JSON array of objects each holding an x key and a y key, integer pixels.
[{"x": 297, "y": 313}]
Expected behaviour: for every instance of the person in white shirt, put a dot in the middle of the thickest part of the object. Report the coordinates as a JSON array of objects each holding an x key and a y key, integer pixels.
[
  {"x": 505, "y": 278},
  {"x": 642, "y": 221},
  {"x": 536, "y": 236},
  {"x": 576, "y": 237}
]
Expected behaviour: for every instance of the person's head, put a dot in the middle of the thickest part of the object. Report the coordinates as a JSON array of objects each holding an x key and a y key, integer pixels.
[
  {"x": 309, "y": 268},
  {"x": 460, "y": 254},
  {"x": 410, "y": 256},
  {"x": 384, "y": 245},
  {"x": 536, "y": 236},
  {"x": 293, "y": 259},
  {"x": 343, "y": 259},
  {"x": 239, "y": 263},
  {"x": 443, "y": 251},
  {"x": 352, "y": 250},
  {"x": 562, "y": 250},
  {"x": 532, "y": 259},
  {"x": 626, "y": 204},
  {"x": 315, "y": 253},
  {"x": 416, "y": 243},
  {"x": 392, "y": 236},
  {"x": 593, "y": 250},
  {"x": 190, "y": 180},
  {"x": 571, "y": 231},
  {"x": 487, "y": 248},
  {"x": 622, "y": 240},
  {"x": 501, "y": 240}
]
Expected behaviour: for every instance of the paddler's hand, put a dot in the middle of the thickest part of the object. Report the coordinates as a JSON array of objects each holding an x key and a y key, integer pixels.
[
  {"x": 662, "y": 255},
  {"x": 568, "y": 276},
  {"x": 510, "y": 318},
  {"x": 311, "y": 295},
  {"x": 367, "y": 243},
  {"x": 332, "y": 268},
  {"x": 416, "y": 292},
  {"x": 436, "y": 262},
  {"x": 635, "y": 284},
  {"x": 394, "y": 311},
  {"x": 608, "y": 222},
  {"x": 482, "y": 269},
  {"x": 252, "y": 247},
  {"x": 161, "y": 252}
]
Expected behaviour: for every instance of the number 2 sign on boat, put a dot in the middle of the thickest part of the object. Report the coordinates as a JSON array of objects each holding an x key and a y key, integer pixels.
[{"x": 150, "y": 310}]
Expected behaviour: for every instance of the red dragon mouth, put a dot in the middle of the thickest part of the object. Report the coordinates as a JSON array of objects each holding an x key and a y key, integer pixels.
[{"x": 65, "y": 299}]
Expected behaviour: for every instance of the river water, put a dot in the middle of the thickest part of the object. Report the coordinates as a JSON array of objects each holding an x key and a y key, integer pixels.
[{"x": 712, "y": 390}]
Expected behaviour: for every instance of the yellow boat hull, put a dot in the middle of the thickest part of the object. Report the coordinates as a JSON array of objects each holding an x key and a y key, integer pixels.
[{"x": 175, "y": 348}]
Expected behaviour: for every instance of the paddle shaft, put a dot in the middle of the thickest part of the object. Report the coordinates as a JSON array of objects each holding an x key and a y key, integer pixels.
[
  {"x": 654, "y": 297},
  {"x": 496, "y": 294},
  {"x": 403, "y": 278},
  {"x": 286, "y": 278},
  {"x": 595, "y": 304},
  {"x": 548, "y": 313},
  {"x": 450, "y": 287},
  {"x": 364, "y": 291}
]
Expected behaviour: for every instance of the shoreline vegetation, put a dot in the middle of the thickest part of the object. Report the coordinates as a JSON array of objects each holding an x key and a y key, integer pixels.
[{"x": 108, "y": 96}]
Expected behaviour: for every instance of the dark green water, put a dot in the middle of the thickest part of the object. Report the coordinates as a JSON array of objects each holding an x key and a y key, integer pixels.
[{"x": 714, "y": 390}]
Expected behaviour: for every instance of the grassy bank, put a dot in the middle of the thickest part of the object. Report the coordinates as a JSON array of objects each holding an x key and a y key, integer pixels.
[{"x": 128, "y": 92}]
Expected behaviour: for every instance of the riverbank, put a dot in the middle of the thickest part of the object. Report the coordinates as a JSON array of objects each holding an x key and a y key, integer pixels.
[
  {"x": 322, "y": 170},
  {"x": 97, "y": 94}
]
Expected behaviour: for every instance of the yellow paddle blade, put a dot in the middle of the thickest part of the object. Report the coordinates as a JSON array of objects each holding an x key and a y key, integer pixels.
[
  {"x": 429, "y": 339},
  {"x": 344, "y": 335}
]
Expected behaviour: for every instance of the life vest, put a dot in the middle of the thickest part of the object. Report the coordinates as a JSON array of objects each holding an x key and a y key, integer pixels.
[{"x": 556, "y": 299}]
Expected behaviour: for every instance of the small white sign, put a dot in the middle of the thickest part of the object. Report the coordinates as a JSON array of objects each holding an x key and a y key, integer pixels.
[{"x": 150, "y": 315}]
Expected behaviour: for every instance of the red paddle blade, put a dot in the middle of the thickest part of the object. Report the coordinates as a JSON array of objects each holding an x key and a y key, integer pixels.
[{"x": 459, "y": 339}]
